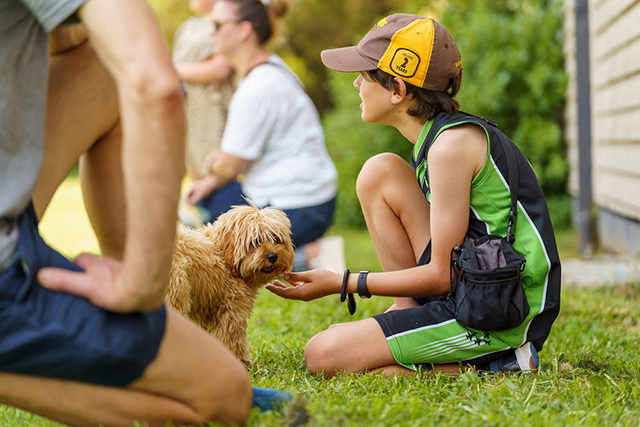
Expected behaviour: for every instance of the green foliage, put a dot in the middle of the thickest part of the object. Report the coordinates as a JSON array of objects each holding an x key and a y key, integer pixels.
[
  {"x": 514, "y": 74},
  {"x": 170, "y": 14},
  {"x": 312, "y": 26}
]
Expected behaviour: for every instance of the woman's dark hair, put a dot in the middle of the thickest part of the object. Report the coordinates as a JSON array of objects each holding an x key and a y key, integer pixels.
[
  {"x": 427, "y": 103},
  {"x": 260, "y": 14}
]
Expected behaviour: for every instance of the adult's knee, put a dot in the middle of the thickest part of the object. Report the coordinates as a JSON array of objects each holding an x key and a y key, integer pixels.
[
  {"x": 376, "y": 172},
  {"x": 229, "y": 403}
]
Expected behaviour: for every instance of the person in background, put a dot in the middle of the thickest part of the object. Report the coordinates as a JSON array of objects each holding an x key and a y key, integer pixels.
[
  {"x": 91, "y": 342},
  {"x": 209, "y": 84},
  {"x": 273, "y": 149},
  {"x": 410, "y": 69}
]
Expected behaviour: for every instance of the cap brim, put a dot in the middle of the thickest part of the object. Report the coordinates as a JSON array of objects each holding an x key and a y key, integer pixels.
[{"x": 346, "y": 59}]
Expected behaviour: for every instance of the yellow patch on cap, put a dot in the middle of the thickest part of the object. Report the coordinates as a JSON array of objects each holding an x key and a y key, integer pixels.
[
  {"x": 405, "y": 62},
  {"x": 410, "y": 64}
]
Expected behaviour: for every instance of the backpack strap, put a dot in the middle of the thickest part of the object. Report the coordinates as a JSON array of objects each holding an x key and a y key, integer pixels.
[
  {"x": 512, "y": 165},
  {"x": 512, "y": 171}
]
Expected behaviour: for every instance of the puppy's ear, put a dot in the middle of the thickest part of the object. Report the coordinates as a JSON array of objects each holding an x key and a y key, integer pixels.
[{"x": 229, "y": 260}]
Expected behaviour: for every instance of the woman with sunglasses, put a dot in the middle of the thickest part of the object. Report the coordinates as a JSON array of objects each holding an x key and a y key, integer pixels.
[{"x": 273, "y": 135}]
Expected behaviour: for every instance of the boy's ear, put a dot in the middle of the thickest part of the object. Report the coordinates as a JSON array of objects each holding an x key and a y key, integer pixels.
[{"x": 400, "y": 91}]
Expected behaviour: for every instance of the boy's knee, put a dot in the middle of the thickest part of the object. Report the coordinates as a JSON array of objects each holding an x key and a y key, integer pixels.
[
  {"x": 374, "y": 172},
  {"x": 319, "y": 354}
]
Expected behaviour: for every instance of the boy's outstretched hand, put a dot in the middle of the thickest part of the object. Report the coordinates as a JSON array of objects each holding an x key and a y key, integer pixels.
[{"x": 307, "y": 285}]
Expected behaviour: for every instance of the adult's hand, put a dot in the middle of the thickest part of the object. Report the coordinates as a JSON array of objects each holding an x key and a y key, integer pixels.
[
  {"x": 104, "y": 283},
  {"x": 212, "y": 69},
  {"x": 307, "y": 285},
  {"x": 201, "y": 188}
]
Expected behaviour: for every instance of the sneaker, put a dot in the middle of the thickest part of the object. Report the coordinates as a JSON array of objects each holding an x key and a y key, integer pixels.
[
  {"x": 268, "y": 399},
  {"x": 523, "y": 359}
]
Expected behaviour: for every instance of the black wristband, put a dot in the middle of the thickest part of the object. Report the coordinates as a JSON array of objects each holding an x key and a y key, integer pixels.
[
  {"x": 351, "y": 303},
  {"x": 343, "y": 290},
  {"x": 362, "y": 284}
]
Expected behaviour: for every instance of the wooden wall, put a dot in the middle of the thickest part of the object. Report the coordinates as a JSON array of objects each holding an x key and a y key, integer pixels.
[
  {"x": 571, "y": 108},
  {"x": 615, "y": 108},
  {"x": 614, "y": 49}
]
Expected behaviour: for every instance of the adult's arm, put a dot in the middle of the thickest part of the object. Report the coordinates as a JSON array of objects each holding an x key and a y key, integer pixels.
[
  {"x": 223, "y": 168},
  {"x": 212, "y": 69},
  {"x": 126, "y": 38}
]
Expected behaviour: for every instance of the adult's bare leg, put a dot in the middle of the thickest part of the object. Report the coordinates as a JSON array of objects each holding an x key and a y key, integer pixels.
[
  {"x": 396, "y": 213},
  {"x": 82, "y": 120},
  {"x": 103, "y": 191},
  {"x": 82, "y": 107},
  {"x": 193, "y": 380}
]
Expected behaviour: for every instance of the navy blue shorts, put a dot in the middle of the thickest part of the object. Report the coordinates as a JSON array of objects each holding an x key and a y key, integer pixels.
[
  {"x": 222, "y": 199},
  {"x": 59, "y": 335},
  {"x": 307, "y": 223}
]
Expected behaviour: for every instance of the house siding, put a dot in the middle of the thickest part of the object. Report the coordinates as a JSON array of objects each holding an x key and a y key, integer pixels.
[{"x": 614, "y": 37}]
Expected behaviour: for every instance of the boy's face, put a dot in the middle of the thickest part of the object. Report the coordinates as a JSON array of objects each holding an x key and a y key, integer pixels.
[{"x": 376, "y": 101}]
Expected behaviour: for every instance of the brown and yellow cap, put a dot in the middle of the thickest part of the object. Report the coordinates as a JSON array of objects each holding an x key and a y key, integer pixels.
[{"x": 419, "y": 50}]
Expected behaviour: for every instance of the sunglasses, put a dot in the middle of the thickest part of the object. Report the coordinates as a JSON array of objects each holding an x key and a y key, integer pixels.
[{"x": 217, "y": 24}]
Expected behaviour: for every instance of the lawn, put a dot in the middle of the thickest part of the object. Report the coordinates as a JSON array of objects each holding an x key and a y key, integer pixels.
[{"x": 591, "y": 378}]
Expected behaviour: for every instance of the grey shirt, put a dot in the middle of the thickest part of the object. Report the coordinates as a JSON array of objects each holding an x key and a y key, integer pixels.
[{"x": 24, "y": 71}]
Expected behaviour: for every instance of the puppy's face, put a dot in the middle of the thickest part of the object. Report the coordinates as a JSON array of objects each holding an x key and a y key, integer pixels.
[
  {"x": 266, "y": 261},
  {"x": 256, "y": 243}
]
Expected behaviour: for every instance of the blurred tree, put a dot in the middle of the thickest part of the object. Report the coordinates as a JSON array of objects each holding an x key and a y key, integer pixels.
[
  {"x": 170, "y": 14},
  {"x": 513, "y": 62},
  {"x": 315, "y": 25},
  {"x": 351, "y": 142}
]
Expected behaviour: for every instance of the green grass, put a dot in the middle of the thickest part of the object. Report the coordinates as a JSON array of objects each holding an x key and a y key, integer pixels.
[{"x": 592, "y": 373}]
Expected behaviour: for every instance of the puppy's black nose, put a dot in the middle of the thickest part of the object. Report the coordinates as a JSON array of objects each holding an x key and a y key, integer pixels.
[{"x": 272, "y": 257}]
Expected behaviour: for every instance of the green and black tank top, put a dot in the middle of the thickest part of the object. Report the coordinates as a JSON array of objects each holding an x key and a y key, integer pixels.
[{"x": 489, "y": 209}]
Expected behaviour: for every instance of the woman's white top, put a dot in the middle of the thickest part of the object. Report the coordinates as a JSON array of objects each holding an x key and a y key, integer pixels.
[{"x": 273, "y": 123}]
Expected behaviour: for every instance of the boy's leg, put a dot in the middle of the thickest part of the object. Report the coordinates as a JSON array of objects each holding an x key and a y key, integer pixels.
[
  {"x": 332, "y": 351},
  {"x": 194, "y": 379},
  {"x": 396, "y": 213}
]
